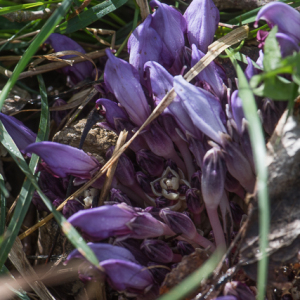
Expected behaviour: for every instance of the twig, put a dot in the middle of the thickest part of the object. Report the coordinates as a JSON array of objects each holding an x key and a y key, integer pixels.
[
  {"x": 214, "y": 50},
  {"x": 111, "y": 171},
  {"x": 27, "y": 15},
  {"x": 53, "y": 66},
  {"x": 20, "y": 37},
  {"x": 84, "y": 4}
]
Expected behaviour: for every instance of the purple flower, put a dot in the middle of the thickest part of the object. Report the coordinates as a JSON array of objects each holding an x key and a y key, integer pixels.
[
  {"x": 104, "y": 251},
  {"x": 145, "y": 44},
  {"x": 122, "y": 80},
  {"x": 171, "y": 26},
  {"x": 282, "y": 15},
  {"x": 204, "y": 109},
  {"x": 79, "y": 71},
  {"x": 59, "y": 115},
  {"x": 194, "y": 200},
  {"x": 119, "y": 197},
  {"x": 105, "y": 221},
  {"x": 112, "y": 111},
  {"x": 237, "y": 110},
  {"x": 21, "y": 135},
  {"x": 209, "y": 75},
  {"x": 287, "y": 44},
  {"x": 64, "y": 160},
  {"x": 127, "y": 276},
  {"x": 72, "y": 207},
  {"x": 250, "y": 70},
  {"x": 202, "y": 18}
]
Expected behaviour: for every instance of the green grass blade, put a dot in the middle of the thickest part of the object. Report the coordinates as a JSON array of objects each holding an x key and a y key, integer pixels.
[
  {"x": 10, "y": 9},
  {"x": 3, "y": 195},
  {"x": 192, "y": 282},
  {"x": 20, "y": 293},
  {"x": 89, "y": 16},
  {"x": 27, "y": 188},
  {"x": 72, "y": 234},
  {"x": 46, "y": 30},
  {"x": 259, "y": 152}
]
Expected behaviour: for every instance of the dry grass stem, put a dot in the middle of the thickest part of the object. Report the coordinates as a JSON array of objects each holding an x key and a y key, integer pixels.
[
  {"x": 144, "y": 7},
  {"x": 214, "y": 50},
  {"x": 21, "y": 263},
  {"x": 111, "y": 171},
  {"x": 97, "y": 31}
]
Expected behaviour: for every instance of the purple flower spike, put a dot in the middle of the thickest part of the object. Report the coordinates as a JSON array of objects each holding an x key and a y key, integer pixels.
[
  {"x": 105, "y": 251},
  {"x": 145, "y": 45},
  {"x": 209, "y": 74},
  {"x": 127, "y": 276},
  {"x": 158, "y": 251},
  {"x": 144, "y": 182},
  {"x": 185, "y": 248},
  {"x": 103, "y": 222},
  {"x": 112, "y": 111},
  {"x": 171, "y": 26},
  {"x": 21, "y": 135},
  {"x": 282, "y": 15},
  {"x": 204, "y": 109},
  {"x": 122, "y": 80},
  {"x": 64, "y": 160},
  {"x": 79, "y": 71},
  {"x": 151, "y": 163},
  {"x": 202, "y": 18}
]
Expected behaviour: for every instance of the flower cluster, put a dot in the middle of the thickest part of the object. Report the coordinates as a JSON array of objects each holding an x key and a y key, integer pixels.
[{"x": 185, "y": 167}]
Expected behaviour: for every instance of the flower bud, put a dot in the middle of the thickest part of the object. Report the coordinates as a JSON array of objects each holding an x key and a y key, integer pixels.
[
  {"x": 194, "y": 201},
  {"x": 196, "y": 180},
  {"x": 119, "y": 197},
  {"x": 157, "y": 251},
  {"x": 151, "y": 163},
  {"x": 179, "y": 223},
  {"x": 145, "y": 226},
  {"x": 185, "y": 248},
  {"x": 64, "y": 160},
  {"x": 122, "y": 80},
  {"x": 213, "y": 177},
  {"x": 202, "y": 18},
  {"x": 72, "y": 207},
  {"x": 104, "y": 221},
  {"x": 21, "y": 135},
  {"x": 127, "y": 276}
]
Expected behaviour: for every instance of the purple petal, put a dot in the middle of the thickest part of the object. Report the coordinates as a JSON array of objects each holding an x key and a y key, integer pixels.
[
  {"x": 127, "y": 276},
  {"x": 287, "y": 44},
  {"x": 123, "y": 81},
  {"x": 102, "y": 222},
  {"x": 171, "y": 26},
  {"x": 105, "y": 251},
  {"x": 250, "y": 70},
  {"x": 204, "y": 109},
  {"x": 144, "y": 45},
  {"x": 284, "y": 16},
  {"x": 157, "y": 251},
  {"x": 237, "y": 110},
  {"x": 65, "y": 160},
  {"x": 112, "y": 111},
  {"x": 202, "y": 18},
  {"x": 79, "y": 71},
  {"x": 21, "y": 135},
  {"x": 209, "y": 74}
]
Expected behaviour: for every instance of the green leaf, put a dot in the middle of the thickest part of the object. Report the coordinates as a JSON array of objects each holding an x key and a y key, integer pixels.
[
  {"x": 89, "y": 16},
  {"x": 272, "y": 54},
  {"x": 259, "y": 152},
  {"x": 3, "y": 195}
]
